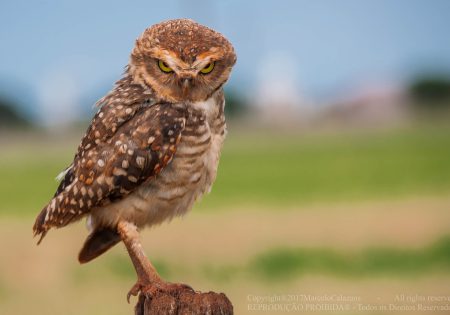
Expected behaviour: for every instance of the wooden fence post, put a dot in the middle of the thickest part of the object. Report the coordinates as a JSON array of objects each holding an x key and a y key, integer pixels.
[{"x": 182, "y": 300}]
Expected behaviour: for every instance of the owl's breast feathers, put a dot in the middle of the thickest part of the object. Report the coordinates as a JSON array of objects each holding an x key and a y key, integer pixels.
[{"x": 127, "y": 143}]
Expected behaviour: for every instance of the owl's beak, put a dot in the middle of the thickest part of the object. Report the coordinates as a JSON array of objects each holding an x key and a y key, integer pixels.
[{"x": 186, "y": 84}]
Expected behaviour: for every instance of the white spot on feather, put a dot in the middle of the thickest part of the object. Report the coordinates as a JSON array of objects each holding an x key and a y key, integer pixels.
[
  {"x": 61, "y": 175},
  {"x": 89, "y": 223},
  {"x": 46, "y": 215}
]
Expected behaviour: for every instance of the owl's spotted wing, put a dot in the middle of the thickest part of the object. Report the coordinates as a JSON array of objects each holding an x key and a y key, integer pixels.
[{"x": 113, "y": 161}]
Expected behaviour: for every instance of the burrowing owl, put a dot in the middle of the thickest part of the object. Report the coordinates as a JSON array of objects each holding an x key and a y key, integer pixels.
[{"x": 153, "y": 147}]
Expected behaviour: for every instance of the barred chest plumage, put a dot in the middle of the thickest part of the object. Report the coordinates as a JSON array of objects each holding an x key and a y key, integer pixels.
[{"x": 190, "y": 174}]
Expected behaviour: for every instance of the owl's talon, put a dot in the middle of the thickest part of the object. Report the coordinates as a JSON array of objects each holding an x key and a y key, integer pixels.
[
  {"x": 175, "y": 287},
  {"x": 134, "y": 291},
  {"x": 159, "y": 286}
]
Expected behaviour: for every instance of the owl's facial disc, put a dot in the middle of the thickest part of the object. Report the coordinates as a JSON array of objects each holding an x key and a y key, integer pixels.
[{"x": 181, "y": 60}]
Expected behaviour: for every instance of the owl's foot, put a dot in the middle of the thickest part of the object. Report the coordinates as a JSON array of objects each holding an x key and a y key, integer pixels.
[
  {"x": 149, "y": 282},
  {"x": 135, "y": 289},
  {"x": 147, "y": 274},
  {"x": 153, "y": 289},
  {"x": 159, "y": 287},
  {"x": 172, "y": 288}
]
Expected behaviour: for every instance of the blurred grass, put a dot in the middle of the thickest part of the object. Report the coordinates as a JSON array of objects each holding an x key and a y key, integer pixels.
[
  {"x": 121, "y": 266},
  {"x": 282, "y": 264},
  {"x": 117, "y": 266},
  {"x": 331, "y": 167},
  {"x": 271, "y": 169}
]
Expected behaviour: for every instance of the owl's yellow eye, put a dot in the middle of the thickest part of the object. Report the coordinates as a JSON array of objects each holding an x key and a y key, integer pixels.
[
  {"x": 208, "y": 68},
  {"x": 164, "y": 67}
]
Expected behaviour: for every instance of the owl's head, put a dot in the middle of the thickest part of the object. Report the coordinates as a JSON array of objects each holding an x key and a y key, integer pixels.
[{"x": 182, "y": 60}]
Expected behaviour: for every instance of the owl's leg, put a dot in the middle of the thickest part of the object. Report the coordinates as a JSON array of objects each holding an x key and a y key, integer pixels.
[{"x": 146, "y": 273}]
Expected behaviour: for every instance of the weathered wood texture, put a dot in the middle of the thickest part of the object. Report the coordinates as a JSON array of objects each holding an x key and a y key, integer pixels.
[{"x": 182, "y": 301}]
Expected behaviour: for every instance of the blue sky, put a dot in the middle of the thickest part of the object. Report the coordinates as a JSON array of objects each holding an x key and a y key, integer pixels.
[{"x": 79, "y": 48}]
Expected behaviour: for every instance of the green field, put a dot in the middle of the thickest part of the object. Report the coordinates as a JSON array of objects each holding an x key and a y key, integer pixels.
[
  {"x": 287, "y": 169},
  {"x": 329, "y": 167}
]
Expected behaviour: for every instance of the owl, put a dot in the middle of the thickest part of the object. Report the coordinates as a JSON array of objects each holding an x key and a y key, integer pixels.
[{"x": 152, "y": 149}]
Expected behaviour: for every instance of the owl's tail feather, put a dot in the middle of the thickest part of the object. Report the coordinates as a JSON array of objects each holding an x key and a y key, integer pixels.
[
  {"x": 64, "y": 208},
  {"x": 98, "y": 242},
  {"x": 39, "y": 227},
  {"x": 52, "y": 216}
]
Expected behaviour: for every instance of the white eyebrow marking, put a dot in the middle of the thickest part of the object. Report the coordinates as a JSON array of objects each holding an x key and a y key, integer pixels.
[
  {"x": 199, "y": 64},
  {"x": 173, "y": 61}
]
